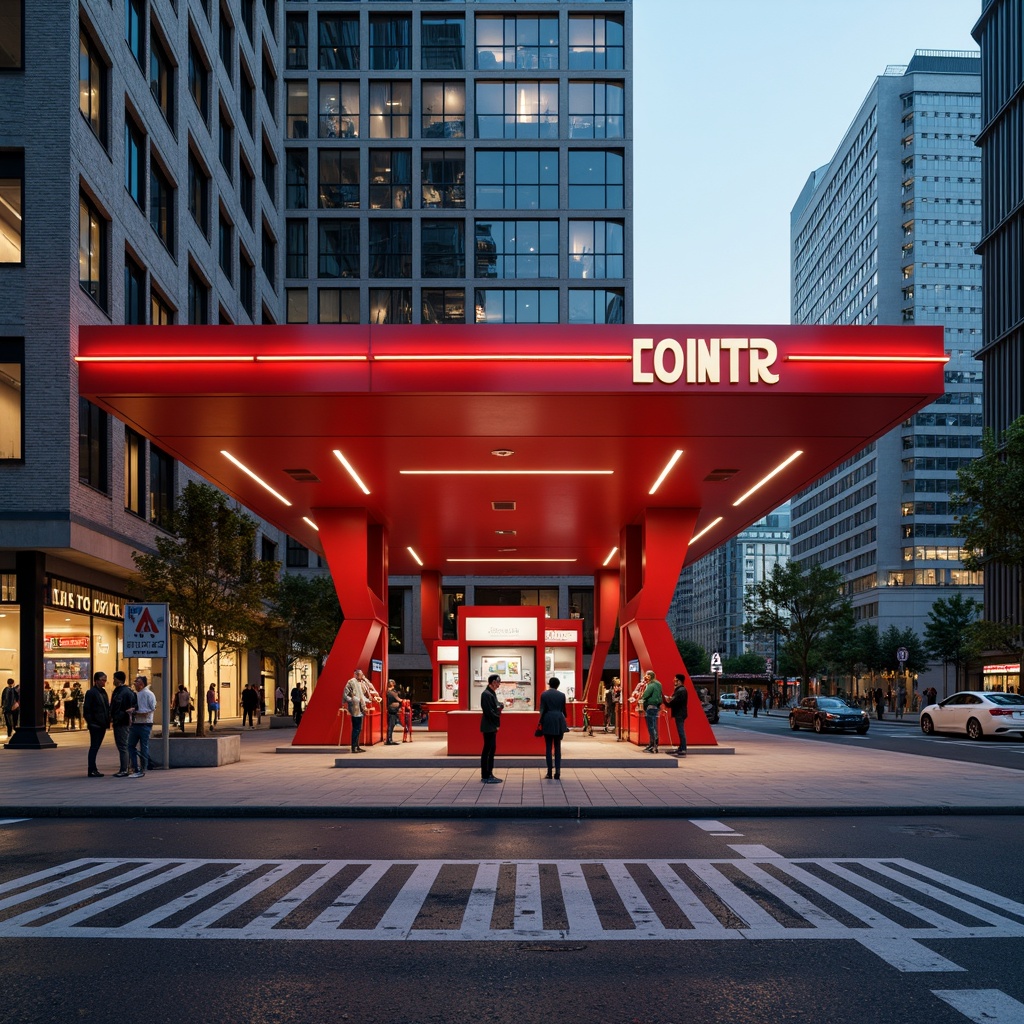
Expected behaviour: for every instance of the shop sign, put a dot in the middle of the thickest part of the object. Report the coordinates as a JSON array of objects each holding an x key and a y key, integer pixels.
[
  {"x": 448, "y": 652},
  {"x": 992, "y": 670},
  {"x": 66, "y": 643},
  {"x": 704, "y": 360},
  {"x": 145, "y": 631},
  {"x": 560, "y": 636},
  {"x": 480, "y": 629},
  {"x": 77, "y": 598}
]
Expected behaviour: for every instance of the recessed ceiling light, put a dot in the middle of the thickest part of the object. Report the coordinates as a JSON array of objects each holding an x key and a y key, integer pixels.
[
  {"x": 760, "y": 483},
  {"x": 419, "y": 561},
  {"x": 710, "y": 526},
  {"x": 249, "y": 473},
  {"x": 351, "y": 471},
  {"x": 665, "y": 472},
  {"x": 505, "y": 533},
  {"x": 503, "y": 453},
  {"x": 611, "y": 555}
]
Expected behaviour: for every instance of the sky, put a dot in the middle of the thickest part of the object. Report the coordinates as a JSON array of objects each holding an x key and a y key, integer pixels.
[{"x": 735, "y": 102}]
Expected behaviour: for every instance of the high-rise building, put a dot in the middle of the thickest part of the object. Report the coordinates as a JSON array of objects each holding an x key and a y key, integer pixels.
[
  {"x": 257, "y": 162},
  {"x": 884, "y": 234}
]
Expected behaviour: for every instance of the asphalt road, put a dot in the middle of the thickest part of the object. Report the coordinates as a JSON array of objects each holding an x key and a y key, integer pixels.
[{"x": 825, "y": 921}]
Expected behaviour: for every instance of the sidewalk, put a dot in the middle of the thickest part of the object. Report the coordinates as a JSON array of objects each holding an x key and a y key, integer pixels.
[{"x": 750, "y": 773}]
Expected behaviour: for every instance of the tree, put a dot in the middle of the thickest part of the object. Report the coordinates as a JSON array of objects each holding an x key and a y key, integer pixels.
[
  {"x": 949, "y": 633},
  {"x": 303, "y": 619},
  {"x": 208, "y": 573},
  {"x": 747, "y": 663},
  {"x": 892, "y": 640},
  {"x": 695, "y": 658},
  {"x": 797, "y": 605}
]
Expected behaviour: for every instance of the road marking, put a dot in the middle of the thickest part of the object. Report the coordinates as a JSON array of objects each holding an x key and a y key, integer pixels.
[
  {"x": 891, "y": 906},
  {"x": 11, "y": 821},
  {"x": 984, "y": 1005}
]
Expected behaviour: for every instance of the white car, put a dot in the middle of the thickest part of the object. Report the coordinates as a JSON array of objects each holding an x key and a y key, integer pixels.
[
  {"x": 976, "y": 714},
  {"x": 728, "y": 701}
]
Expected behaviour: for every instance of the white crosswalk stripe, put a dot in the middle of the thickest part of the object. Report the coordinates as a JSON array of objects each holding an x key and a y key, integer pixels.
[{"x": 887, "y": 905}]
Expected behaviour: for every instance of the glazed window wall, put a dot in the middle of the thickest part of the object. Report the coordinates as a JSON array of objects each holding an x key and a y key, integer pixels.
[
  {"x": 443, "y": 248},
  {"x": 517, "y": 248},
  {"x": 390, "y": 110},
  {"x": 596, "y": 179},
  {"x": 390, "y": 179},
  {"x": 92, "y": 255},
  {"x": 296, "y": 41},
  {"x": 297, "y": 254},
  {"x": 390, "y": 305},
  {"x": 338, "y": 183},
  {"x": 526, "y": 179},
  {"x": 390, "y": 42},
  {"x": 442, "y": 42},
  {"x": 596, "y": 110},
  {"x": 12, "y": 411},
  {"x": 93, "y": 427},
  {"x": 596, "y": 249},
  {"x": 390, "y": 248},
  {"x": 338, "y": 42},
  {"x": 597, "y": 306},
  {"x": 296, "y": 173},
  {"x": 297, "y": 110},
  {"x": 443, "y": 306},
  {"x": 443, "y": 173},
  {"x": 92, "y": 95},
  {"x": 296, "y": 309},
  {"x": 596, "y": 42},
  {"x": 517, "y": 42},
  {"x": 339, "y": 110},
  {"x": 517, "y": 110},
  {"x": 516, "y": 306},
  {"x": 338, "y": 306},
  {"x": 444, "y": 110},
  {"x": 338, "y": 249}
]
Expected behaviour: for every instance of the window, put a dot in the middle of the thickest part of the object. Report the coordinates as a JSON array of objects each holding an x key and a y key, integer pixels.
[
  {"x": 225, "y": 142},
  {"x": 268, "y": 254},
  {"x": 268, "y": 167},
  {"x": 525, "y": 179},
  {"x": 296, "y": 556},
  {"x": 596, "y": 42},
  {"x": 338, "y": 185},
  {"x": 92, "y": 445},
  {"x": 247, "y": 18},
  {"x": 390, "y": 248},
  {"x": 225, "y": 40},
  {"x": 160, "y": 312},
  {"x": 134, "y": 292},
  {"x": 516, "y": 306},
  {"x": 92, "y": 86},
  {"x": 296, "y": 171},
  {"x": 134, "y": 473},
  {"x": 444, "y": 110},
  {"x": 199, "y": 78},
  {"x": 443, "y": 306},
  {"x": 596, "y": 110},
  {"x": 390, "y": 305},
  {"x": 390, "y": 42},
  {"x": 161, "y": 77},
  {"x": 12, "y": 175},
  {"x": 297, "y": 110},
  {"x": 161, "y": 204},
  {"x": 246, "y": 96},
  {"x": 161, "y": 487},
  {"x": 338, "y": 42},
  {"x": 338, "y": 248},
  {"x": 225, "y": 243},
  {"x": 198, "y": 194},
  {"x": 297, "y": 256},
  {"x": 296, "y": 305},
  {"x": 516, "y": 248},
  {"x": 339, "y": 110},
  {"x": 246, "y": 281},
  {"x": 451, "y": 602},
  {"x": 134, "y": 19},
  {"x": 443, "y": 248},
  {"x": 269, "y": 81},
  {"x": 268, "y": 550},
  {"x": 390, "y": 110},
  {"x": 246, "y": 189},
  {"x": 596, "y": 306},
  {"x": 198, "y": 298},
  {"x": 390, "y": 179},
  {"x": 595, "y": 179},
  {"x": 442, "y": 42},
  {"x": 338, "y": 306},
  {"x": 12, "y": 409},
  {"x": 296, "y": 35},
  {"x": 92, "y": 240},
  {"x": 444, "y": 178},
  {"x": 520, "y": 42},
  {"x": 134, "y": 160},
  {"x": 396, "y": 619},
  {"x": 11, "y": 34},
  {"x": 517, "y": 110},
  {"x": 596, "y": 249}
]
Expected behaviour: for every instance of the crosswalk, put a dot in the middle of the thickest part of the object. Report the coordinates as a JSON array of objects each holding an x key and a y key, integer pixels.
[{"x": 888, "y": 905}]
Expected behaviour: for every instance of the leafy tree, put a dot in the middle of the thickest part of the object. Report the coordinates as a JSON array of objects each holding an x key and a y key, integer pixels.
[
  {"x": 999, "y": 636},
  {"x": 747, "y": 663},
  {"x": 303, "y": 619},
  {"x": 892, "y": 640},
  {"x": 839, "y": 645},
  {"x": 949, "y": 632},
  {"x": 695, "y": 658},
  {"x": 208, "y": 573},
  {"x": 867, "y": 652},
  {"x": 798, "y": 605}
]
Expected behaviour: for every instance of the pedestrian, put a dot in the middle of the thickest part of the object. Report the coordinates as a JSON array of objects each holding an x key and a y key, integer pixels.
[
  {"x": 677, "y": 709},
  {"x": 553, "y": 726},
  {"x": 406, "y": 716},
  {"x": 279, "y": 700},
  {"x": 10, "y": 702},
  {"x": 611, "y": 701},
  {"x": 97, "y": 718},
  {"x": 757, "y": 701},
  {"x": 490, "y": 722},
  {"x": 768, "y": 701},
  {"x": 141, "y": 727},
  {"x": 261, "y": 704},
  {"x": 182, "y": 700},
  {"x": 744, "y": 700},
  {"x": 651, "y": 701},
  {"x": 73, "y": 706},
  {"x": 879, "y": 703},
  {"x": 354, "y": 698},
  {"x": 212, "y": 707},
  {"x": 394, "y": 708},
  {"x": 296, "y": 696},
  {"x": 901, "y": 700},
  {"x": 122, "y": 701},
  {"x": 250, "y": 701}
]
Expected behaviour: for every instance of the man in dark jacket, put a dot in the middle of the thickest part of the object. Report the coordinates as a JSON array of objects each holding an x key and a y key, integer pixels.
[
  {"x": 677, "y": 709},
  {"x": 122, "y": 701},
  {"x": 490, "y": 721},
  {"x": 97, "y": 718}
]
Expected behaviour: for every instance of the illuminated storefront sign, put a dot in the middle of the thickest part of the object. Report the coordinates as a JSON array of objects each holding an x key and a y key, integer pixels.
[
  {"x": 500, "y": 630},
  {"x": 64, "y": 643},
  {"x": 703, "y": 360},
  {"x": 995, "y": 670},
  {"x": 77, "y": 598}
]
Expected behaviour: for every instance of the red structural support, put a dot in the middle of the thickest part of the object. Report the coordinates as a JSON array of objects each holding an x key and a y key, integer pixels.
[
  {"x": 606, "y": 611},
  {"x": 356, "y": 552}
]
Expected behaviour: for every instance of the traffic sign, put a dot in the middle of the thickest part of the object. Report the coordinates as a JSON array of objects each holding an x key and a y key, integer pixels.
[
  {"x": 376, "y": 665},
  {"x": 716, "y": 662},
  {"x": 145, "y": 630},
  {"x": 902, "y": 654},
  {"x": 767, "y": 664}
]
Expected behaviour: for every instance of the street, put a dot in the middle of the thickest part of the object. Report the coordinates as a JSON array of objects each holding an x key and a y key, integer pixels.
[{"x": 845, "y": 919}]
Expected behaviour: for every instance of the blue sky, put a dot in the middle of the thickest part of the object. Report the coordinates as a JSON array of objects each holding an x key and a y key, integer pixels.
[{"x": 735, "y": 102}]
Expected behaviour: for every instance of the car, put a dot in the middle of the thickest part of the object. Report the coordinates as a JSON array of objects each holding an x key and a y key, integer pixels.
[
  {"x": 976, "y": 714},
  {"x": 824, "y": 713},
  {"x": 728, "y": 701}
]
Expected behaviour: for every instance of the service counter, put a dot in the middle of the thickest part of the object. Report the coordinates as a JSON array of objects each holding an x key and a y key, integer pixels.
[
  {"x": 668, "y": 737},
  {"x": 437, "y": 714},
  {"x": 372, "y": 725},
  {"x": 514, "y": 737}
]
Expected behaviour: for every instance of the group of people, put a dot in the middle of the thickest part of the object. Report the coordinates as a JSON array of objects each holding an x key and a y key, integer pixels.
[
  {"x": 649, "y": 697},
  {"x": 129, "y": 712}
]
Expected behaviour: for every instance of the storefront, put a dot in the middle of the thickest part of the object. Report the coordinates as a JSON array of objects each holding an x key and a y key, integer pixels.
[{"x": 1004, "y": 677}]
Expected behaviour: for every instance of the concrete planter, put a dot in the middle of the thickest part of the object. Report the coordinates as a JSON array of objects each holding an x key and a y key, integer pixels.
[
  {"x": 282, "y": 722},
  {"x": 202, "y": 751}
]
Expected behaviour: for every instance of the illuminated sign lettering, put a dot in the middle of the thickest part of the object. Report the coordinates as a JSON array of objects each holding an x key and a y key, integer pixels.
[{"x": 703, "y": 360}]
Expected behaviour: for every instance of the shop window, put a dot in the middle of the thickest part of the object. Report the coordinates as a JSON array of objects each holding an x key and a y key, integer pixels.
[
  {"x": 93, "y": 431},
  {"x": 134, "y": 292},
  {"x": 443, "y": 42},
  {"x": 92, "y": 85},
  {"x": 443, "y": 173},
  {"x": 338, "y": 42},
  {"x": 390, "y": 179},
  {"x": 516, "y": 248},
  {"x": 295, "y": 168},
  {"x": 134, "y": 473},
  {"x": 297, "y": 41},
  {"x": 443, "y": 248},
  {"x": 338, "y": 110},
  {"x": 444, "y": 110},
  {"x": 390, "y": 42},
  {"x": 338, "y": 249},
  {"x": 161, "y": 203},
  {"x": 443, "y": 306},
  {"x": 338, "y": 306},
  {"x": 390, "y": 248},
  {"x": 338, "y": 179},
  {"x": 12, "y": 409},
  {"x": 12, "y": 186},
  {"x": 92, "y": 240},
  {"x": 12, "y": 38},
  {"x": 390, "y": 305},
  {"x": 390, "y": 110},
  {"x": 161, "y": 77}
]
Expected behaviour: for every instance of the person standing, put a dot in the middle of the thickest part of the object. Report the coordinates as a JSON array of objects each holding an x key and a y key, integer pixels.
[
  {"x": 490, "y": 722},
  {"x": 651, "y": 700},
  {"x": 879, "y": 703},
  {"x": 297, "y": 696},
  {"x": 182, "y": 700},
  {"x": 553, "y": 725},
  {"x": 279, "y": 700},
  {"x": 901, "y": 700},
  {"x": 406, "y": 715},
  {"x": 354, "y": 698},
  {"x": 612, "y": 695},
  {"x": 677, "y": 709},
  {"x": 122, "y": 701},
  {"x": 250, "y": 701},
  {"x": 757, "y": 701},
  {"x": 141, "y": 727},
  {"x": 10, "y": 702},
  {"x": 394, "y": 706},
  {"x": 212, "y": 707},
  {"x": 97, "y": 718}
]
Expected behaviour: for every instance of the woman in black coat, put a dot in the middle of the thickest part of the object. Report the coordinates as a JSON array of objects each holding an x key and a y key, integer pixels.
[{"x": 553, "y": 725}]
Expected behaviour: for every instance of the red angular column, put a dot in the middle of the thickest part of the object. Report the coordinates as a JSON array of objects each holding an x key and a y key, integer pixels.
[
  {"x": 606, "y": 611},
  {"x": 646, "y": 593},
  {"x": 356, "y": 552},
  {"x": 430, "y": 621}
]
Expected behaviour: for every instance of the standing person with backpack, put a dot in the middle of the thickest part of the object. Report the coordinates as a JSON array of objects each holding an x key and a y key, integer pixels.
[
  {"x": 122, "y": 702},
  {"x": 651, "y": 700},
  {"x": 677, "y": 709}
]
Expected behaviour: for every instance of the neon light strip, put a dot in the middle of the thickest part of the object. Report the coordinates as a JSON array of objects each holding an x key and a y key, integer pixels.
[
  {"x": 306, "y": 519},
  {"x": 778, "y": 469},
  {"x": 418, "y": 560},
  {"x": 611, "y": 555},
  {"x": 710, "y": 526},
  {"x": 668, "y": 469},
  {"x": 867, "y": 359},
  {"x": 510, "y": 559},
  {"x": 165, "y": 359},
  {"x": 312, "y": 359},
  {"x": 506, "y": 472},
  {"x": 502, "y": 357},
  {"x": 248, "y": 472},
  {"x": 351, "y": 472}
]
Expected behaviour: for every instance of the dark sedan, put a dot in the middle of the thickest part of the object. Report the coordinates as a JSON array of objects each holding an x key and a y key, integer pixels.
[{"x": 824, "y": 713}]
